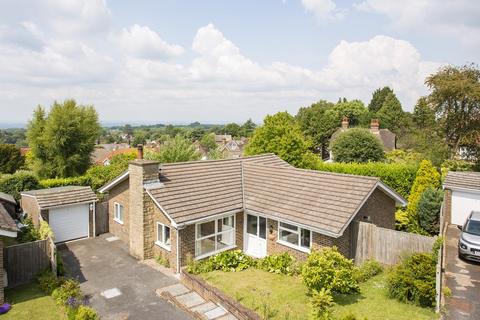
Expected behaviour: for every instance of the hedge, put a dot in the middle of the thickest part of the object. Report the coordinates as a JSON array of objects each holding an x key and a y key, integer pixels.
[{"x": 399, "y": 177}]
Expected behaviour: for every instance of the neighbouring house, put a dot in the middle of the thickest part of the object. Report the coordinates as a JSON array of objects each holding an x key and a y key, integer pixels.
[
  {"x": 103, "y": 153},
  {"x": 8, "y": 228},
  {"x": 9, "y": 203},
  {"x": 462, "y": 196},
  {"x": 70, "y": 210},
  {"x": 233, "y": 148},
  {"x": 258, "y": 204}
]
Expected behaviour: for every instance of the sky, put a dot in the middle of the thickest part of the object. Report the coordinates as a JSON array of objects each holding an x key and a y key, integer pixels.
[{"x": 217, "y": 61}]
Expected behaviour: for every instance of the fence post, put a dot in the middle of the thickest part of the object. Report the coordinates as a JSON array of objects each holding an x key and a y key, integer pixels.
[{"x": 53, "y": 255}]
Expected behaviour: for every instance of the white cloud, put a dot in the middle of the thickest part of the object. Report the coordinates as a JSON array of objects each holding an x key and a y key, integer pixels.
[
  {"x": 143, "y": 42},
  {"x": 322, "y": 9}
]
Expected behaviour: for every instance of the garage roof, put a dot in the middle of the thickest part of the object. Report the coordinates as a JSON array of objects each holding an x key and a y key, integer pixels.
[
  {"x": 7, "y": 198},
  {"x": 61, "y": 196},
  {"x": 462, "y": 180},
  {"x": 6, "y": 221}
]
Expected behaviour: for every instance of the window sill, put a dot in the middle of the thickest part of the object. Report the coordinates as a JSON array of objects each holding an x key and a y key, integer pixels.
[
  {"x": 206, "y": 255},
  {"x": 164, "y": 246},
  {"x": 288, "y": 244},
  {"x": 118, "y": 221}
]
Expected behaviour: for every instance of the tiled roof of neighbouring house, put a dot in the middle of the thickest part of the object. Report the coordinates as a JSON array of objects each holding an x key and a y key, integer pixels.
[
  {"x": 6, "y": 221},
  {"x": 463, "y": 180},
  {"x": 7, "y": 197},
  {"x": 61, "y": 196}
]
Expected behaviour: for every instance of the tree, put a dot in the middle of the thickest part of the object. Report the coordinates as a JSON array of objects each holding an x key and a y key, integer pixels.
[
  {"x": 246, "y": 130},
  {"x": 378, "y": 98},
  {"x": 139, "y": 137},
  {"x": 62, "y": 141},
  {"x": 391, "y": 114},
  {"x": 423, "y": 115},
  {"x": 357, "y": 145},
  {"x": 176, "y": 149},
  {"x": 20, "y": 181},
  {"x": 455, "y": 97},
  {"x": 281, "y": 135},
  {"x": 232, "y": 129},
  {"x": 10, "y": 158},
  {"x": 428, "y": 210},
  {"x": 208, "y": 142},
  {"x": 354, "y": 110}
]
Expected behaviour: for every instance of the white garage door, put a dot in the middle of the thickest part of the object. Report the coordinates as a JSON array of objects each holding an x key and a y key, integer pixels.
[
  {"x": 462, "y": 204},
  {"x": 70, "y": 222}
]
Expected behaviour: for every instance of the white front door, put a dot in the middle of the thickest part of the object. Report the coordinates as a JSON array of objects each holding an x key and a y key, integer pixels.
[{"x": 255, "y": 236}]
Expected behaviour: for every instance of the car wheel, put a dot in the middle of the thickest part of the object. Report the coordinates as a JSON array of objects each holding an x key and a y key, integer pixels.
[{"x": 460, "y": 256}]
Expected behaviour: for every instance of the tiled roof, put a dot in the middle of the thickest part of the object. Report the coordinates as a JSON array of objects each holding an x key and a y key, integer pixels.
[
  {"x": 463, "y": 179},
  {"x": 6, "y": 221},
  {"x": 7, "y": 197},
  {"x": 61, "y": 196}
]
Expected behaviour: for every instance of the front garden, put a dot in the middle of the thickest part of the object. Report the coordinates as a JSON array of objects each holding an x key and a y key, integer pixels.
[{"x": 326, "y": 286}]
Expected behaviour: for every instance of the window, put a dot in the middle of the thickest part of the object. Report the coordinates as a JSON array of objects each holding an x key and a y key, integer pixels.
[
  {"x": 163, "y": 236},
  {"x": 214, "y": 236},
  {"x": 294, "y": 236},
  {"x": 118, "y": 214}
]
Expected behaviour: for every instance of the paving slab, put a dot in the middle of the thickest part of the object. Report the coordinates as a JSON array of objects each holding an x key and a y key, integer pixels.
[
  {"x": 215, "y": 313},
  {"x": 111, "y": 293},
  {"x": 175, "y": 290},
  {"x": 190, "y": 299},
  {"x": 204, "y": 307},
  {"x": 228, "y": 317}
]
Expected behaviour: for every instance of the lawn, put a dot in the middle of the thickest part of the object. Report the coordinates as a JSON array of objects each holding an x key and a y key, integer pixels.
[
  {"x": 30, "y": 303},
  {"x": 285, "y": 297}
]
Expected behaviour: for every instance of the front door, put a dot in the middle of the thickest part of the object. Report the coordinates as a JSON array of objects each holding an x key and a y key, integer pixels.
[{"x": 255, "y": 236}]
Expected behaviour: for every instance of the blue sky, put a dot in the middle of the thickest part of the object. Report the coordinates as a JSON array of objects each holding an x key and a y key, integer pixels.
[{"x": 221, "y": 61}]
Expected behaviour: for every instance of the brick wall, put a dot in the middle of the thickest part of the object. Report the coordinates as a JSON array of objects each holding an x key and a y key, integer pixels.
[
  {"x": 30, "y": 206},
  {"x": 119, "y": 194},
  {"x": 2, "y": 272},
  {"x": 447, "y": 202},
  {"x": 379, "y": 209},
  {"x": 156, "y": 250}
]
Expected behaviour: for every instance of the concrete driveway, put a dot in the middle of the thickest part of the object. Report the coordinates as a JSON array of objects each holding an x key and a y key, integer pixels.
[
  {"x": 463, "y": 278},
  {"x": 119, "y": 286}
]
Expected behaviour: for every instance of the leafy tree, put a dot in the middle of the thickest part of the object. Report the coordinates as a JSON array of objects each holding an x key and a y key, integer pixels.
[
  {"x": 196, "y": 133},
  {"x": 423, "y": 115},
  {"x": 20, "y": 181},
  {"x": 176, "y": 149},
  {"x": 378, "y": 98},
  {"x": 139, "y": 137},
  {"x": 215, "y": 154},
  {"x": 391, "y": 114},
  {"x": 355, "y": 111},
  {"x": 455, "y": 97},
  {"x": 246, "y": 130},
  {"x": 428, "y": 210},
  {"x": 357, "y": 145},
  {"x": 281, "y": 135},
  {"x": 208, "y": 142},
  {"x": 127, "y": 129},
  {"x": 10, "y": 158},
  {"x": 232, "y": 129},
  {"x": 62, "y": 141}
]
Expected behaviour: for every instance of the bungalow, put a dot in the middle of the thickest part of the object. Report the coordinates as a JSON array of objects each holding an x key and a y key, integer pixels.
[{"x": 258, "y": 204}]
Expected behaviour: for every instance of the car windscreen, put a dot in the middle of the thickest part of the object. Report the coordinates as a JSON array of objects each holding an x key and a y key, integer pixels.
[{"x": 473, "y": 227}]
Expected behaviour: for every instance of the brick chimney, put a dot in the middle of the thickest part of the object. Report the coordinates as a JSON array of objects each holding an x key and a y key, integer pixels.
[
  {"x": 142, "y": 174},
  {"x": 345, "y": 123},
  {"x": 375, "y": 126},
  {"x": 140, "y": 151}
]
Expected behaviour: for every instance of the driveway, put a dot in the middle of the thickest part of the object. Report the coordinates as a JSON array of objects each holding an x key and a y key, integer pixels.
[
  {"x": 119, "y": 286},
  {"x": 463, "y": 278}
]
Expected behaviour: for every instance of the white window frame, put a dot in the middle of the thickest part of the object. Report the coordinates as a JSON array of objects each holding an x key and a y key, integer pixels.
[
  {"x": 163, "y": 242},
  {"x": 215, "y": 234},
  {"x": 297, "y": 232},
  {"x": 115, "y": 218}
]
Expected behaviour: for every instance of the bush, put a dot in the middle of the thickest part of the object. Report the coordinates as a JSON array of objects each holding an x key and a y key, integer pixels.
[
  {"x": 426, "y": 176},
  {"x": 232, "y": 260},
  {"x": 10, "y": 158},
  {"x": 399, "y": 177},
  {"x": 86, "y": 313},
  {"x": 61, "y": 182},
  {"x": 163, "y": 261},
  {"x": 45, "y": 231},
  {"x": 68, "y": 290},
  {"x": 413, "y": 280},
  {"x": 28, "y": 233},
  {"x": 367, "y": 270},
  {"x": 328, "y": 269},
  {"x": 20, "y": 181},
  {"x": 60, "y": 266},
  {"x": 48, "y": 282},
  {"x": 281, "y": 264},
  {"x": 428, "y": 210},
  {"x": 322, "y": 303},
  {"x": 357, "y": 145}
]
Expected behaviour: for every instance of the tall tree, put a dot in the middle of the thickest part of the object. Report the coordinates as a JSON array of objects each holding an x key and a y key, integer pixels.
[
  {"x": 378, "y": 98},
  {"x": 423, "y": 115},
  {"x": 317, "y": 124},
  {"x": 62, "y": 141},
  {"x": 355, "y": 111},
  {"x": 391, "y": 114},
  {"x": 178, "y": 149},
  {"x": 208, "y": 142},
  {"x": 281, "y": 135},
  {"x": 246, "y": 130},
  {"x": 455, "y": 97},
  {"x": 232, "y": 129},
  {"x": 10, "y": 158}
]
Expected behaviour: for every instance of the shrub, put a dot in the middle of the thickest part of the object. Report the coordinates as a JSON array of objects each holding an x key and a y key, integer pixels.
[
  {"x": 328, "y": 269},
  {"x": 20, "y": 181},
  {"x": 414, "y": 280},
  {"x": 357, "y": 145},
  {"x": 86, "y": 313},
  {"x": 428, "y": 210},
  {"x": 367, "y": 270},
  {"x": 322, "y": 303},
  {"x": 61, "y": 182},
  {"x": 68, "y": 289},
  {"x": 60, "y": 266},
  {"x": 281, "y": 264},
  {"x": 48, "y": 282},
  {"x": 10, "y": 158},
  {"x": 28, "y": 233},
  {"x": 427, "y": 176},
  {"x": 162, "y": 260},
  {"x": 45, "y": 231},
  {"x": 400, "y": 177},
  {"x": 232, "y": 260}
]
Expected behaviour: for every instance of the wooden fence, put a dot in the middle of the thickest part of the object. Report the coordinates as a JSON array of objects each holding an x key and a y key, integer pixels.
[
  {"x": 385, "y": 245},
  {"x": 101, "y": 218},
  {"x": 23, "y": 262}
]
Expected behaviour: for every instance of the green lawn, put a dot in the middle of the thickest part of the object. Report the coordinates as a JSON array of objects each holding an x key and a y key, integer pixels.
[
  {"x": 285, "y": 297},
  {"x": 30, "y": 303}
]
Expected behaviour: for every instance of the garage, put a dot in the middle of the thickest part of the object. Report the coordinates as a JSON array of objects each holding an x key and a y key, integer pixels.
[
  {"x": 462, "y": 195},
  {"x": 70, "y": 210}
]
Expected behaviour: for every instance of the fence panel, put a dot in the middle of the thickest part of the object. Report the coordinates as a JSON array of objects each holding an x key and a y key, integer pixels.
[
  {"x": 101, "y": 218},
  {"x": 24, "y": 261},
  {"x": 385, "y": 245}
]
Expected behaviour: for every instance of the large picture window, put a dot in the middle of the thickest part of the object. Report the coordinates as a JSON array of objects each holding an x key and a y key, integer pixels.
[
  {"x": 294, "y": 236},
  {"x": 163, "y": 236},
  {"x": 214, "y": 236},
  {"x": 118, "y": 213}
]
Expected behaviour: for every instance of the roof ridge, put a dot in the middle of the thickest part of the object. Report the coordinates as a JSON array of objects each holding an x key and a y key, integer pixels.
[{"x": 219, "y": 160}]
